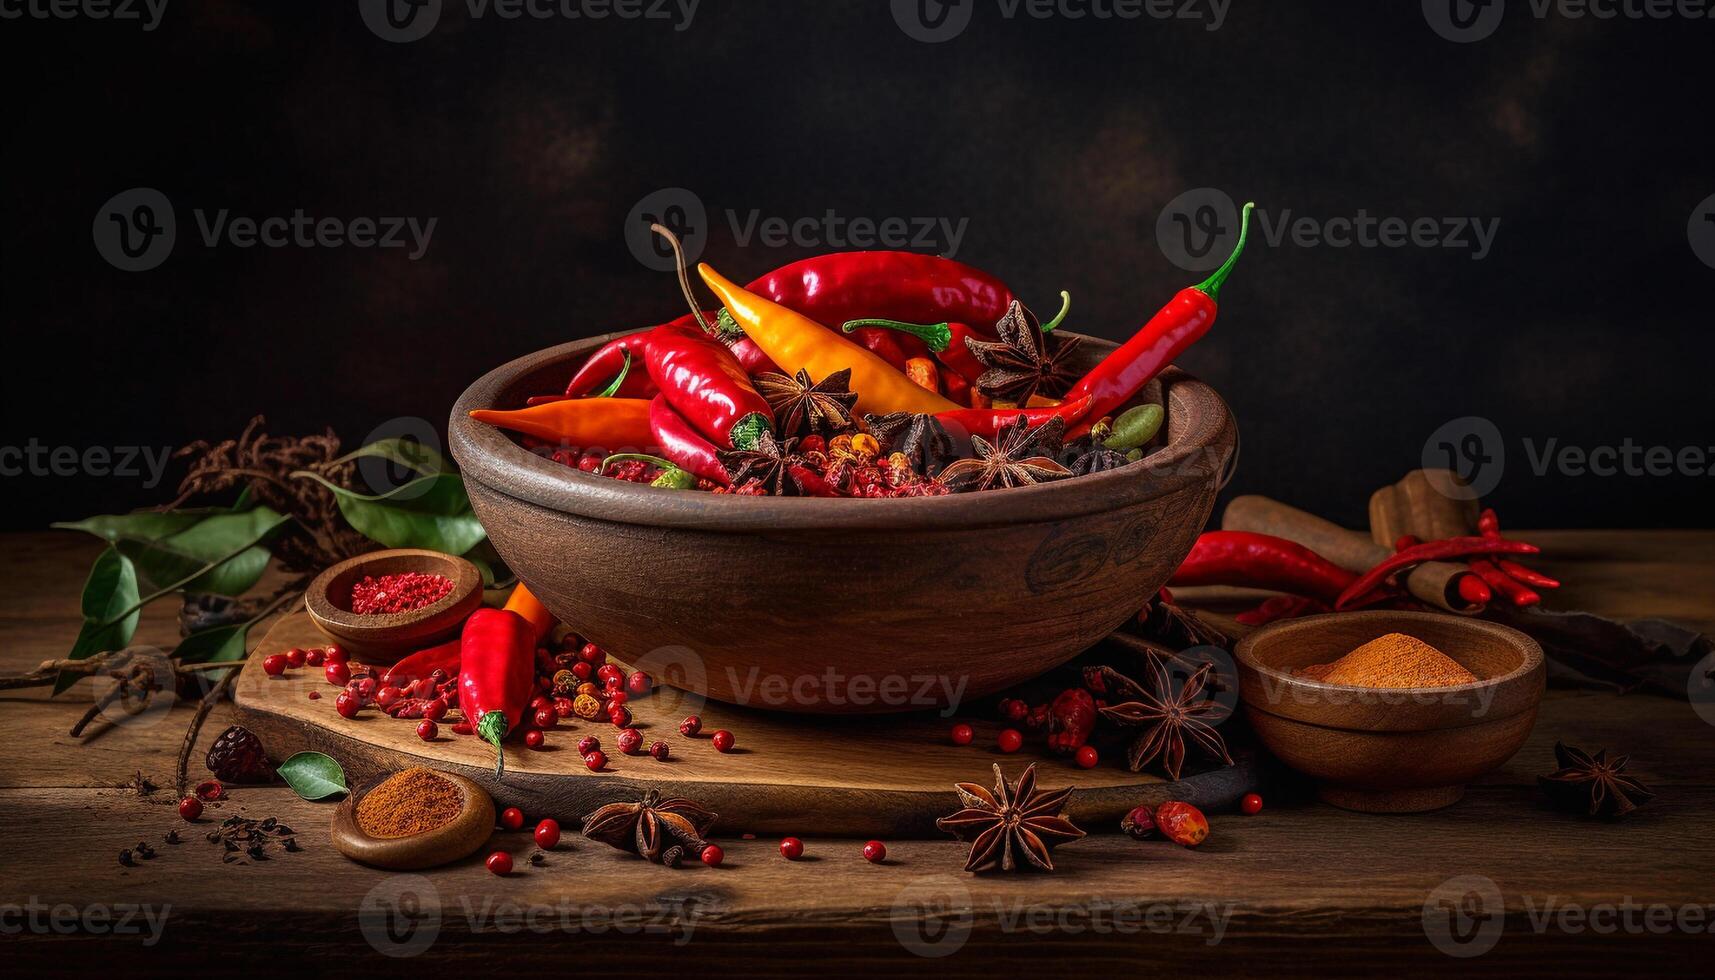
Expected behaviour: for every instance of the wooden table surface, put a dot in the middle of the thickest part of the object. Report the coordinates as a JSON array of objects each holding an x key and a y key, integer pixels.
[{"x": 1301, "y": 888}]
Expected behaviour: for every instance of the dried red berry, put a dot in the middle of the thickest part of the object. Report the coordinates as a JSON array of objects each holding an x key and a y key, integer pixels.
[
  {"x": 295, "y": 658},
  {"x": 962, "y": 734},
  {"x": 1139, "y": 824},
  {"x": 546, "y": 718},
  {"x": 534, "y": 739},
  {"x": 1087, "y": 757},
  {"x": 596, "y": 760},
  {"x": 722, "y": 740},
  {"x": 620, "y": 715},
  {"x": 435, "y": 710},
  {"x": 791, "y": 848},
  {"x": 315, "y": 658},
  {"x": 209, "y": 791},
  {"x": 1182, "y": 823},
  {"x": 190, "y": 808},
  {"x": 427, "y": 730},
  {"x": 348, "y": 704},
  {"x": 639, "y": 683},
  {"x": 1250, "y": 805},
  {"x": 659, "y": 751},
  {"x": 630, "y": 741},
  {"x": 591, "y": 654},
  {"x": 499, "y": 863},
  {"x": 875, "y": 852},
  {"x": 337, "y": 672},
  {"x": 713, "y": 855},
  {"x": 336, "y": 654},
  {"x": 512, "y": 818},
  {"x": 588, "y": 744},
  {"x": 274, "y": 664},
  {"x": 691, "y": 726},
  {"x": 387, "y": 696},
  {"x": 1009, "y": 740},
  {"x": 547, "y": 834},
  {"x": 237, "y": 756}
]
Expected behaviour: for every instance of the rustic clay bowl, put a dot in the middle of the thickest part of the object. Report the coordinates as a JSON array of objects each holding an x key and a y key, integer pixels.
[
  {"x": 445, "y": 844},
  {"x": 835, "y": 605},
  {"x": 1396, "y": 750},
  {"x": 382, "y": 638}
]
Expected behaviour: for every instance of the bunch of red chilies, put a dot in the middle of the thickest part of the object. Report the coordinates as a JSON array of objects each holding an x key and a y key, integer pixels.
[{"x": 718, "y": 398}]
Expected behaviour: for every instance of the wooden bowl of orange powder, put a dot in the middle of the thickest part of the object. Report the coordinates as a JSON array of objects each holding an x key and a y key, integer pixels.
[
  {"x": 415, "y": 818},
  {"x": 1391, "y": 712}
]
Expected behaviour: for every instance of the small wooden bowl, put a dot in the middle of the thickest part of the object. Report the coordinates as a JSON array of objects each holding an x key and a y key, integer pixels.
[
  {"x": 383, "y": 638},
  {"x": 455, "y": 839},
  {"x": 1391, "y": 750}
]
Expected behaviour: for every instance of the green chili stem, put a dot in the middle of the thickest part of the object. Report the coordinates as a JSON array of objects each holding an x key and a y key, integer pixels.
[
  {"x": 1212, "y": 285},
  {"x": 939, "y": 336},
  {"x": 613, "y": 386},
  {"x": 665, "y": 464},
  {"x": 492, "y": 727},
  {"x": 1065, "y": 308}
]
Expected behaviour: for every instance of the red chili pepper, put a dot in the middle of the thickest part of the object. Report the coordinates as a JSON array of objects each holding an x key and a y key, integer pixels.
[
  {"x": 421, "y": 664},
  {"x": 705, "y": 384},
  {"x": 1071, "y": 719},
  {"x": 683, "y": 445},
  {"x": 608, "y": 360},
  {"x": 1443, "y": 550},
  {"x": 909, "y": 286},
  {"x": 986, "y": 422},
  {"x": 1509, "y": 589},
  {"x": 751, "y": 358},
  {"x": 811, "y": 482},
  {"x": 1280, "y": 607},
  {"x": 945, "y": 340},
  {"x": 1529, "y": 576},
  {"x": 497, "y": 676},
  {"x": 1261, "y": 561},
  {"x": 1179, "y": 324}
]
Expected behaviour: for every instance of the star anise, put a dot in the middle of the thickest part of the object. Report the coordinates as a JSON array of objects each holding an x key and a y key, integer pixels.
[
  {"x": 653, "y": 828},
  {"x": 1097, "y": 460},
  {"x": 1020, "y": 456},
  {"x": 1024, "y": 361},
  {"x": 1012, "y": 828},
  {"x": 768, "y": 462},
  {"x": 1169, "y": 715},
  {"x": 801, "y": 405},
  {"x": 1173, "y": 624},
  {"x": 922, "y": 438},
  {"x": 1592, "y": 784}
]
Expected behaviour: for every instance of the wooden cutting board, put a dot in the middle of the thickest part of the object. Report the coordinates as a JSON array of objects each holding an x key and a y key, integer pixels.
[{"x": 882, "y": 776}]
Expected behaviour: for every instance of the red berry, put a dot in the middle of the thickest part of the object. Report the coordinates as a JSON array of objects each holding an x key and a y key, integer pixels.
[
  {"x": 295, "y": 657},
  {"x": 591, "y": 654},
  {"x": 365, "y": 687},
  {"x": 336, "y": 654},
  {"x": 1087, "y": 757},
  {"x": 620, "y": 715},
  {"x": 499, "y": 863},
  {"x": 630, "y": 741},
  {"x": 337, "y": 672},
  {"x": 427, "y": 730},
  {"x": 547, "y": 834},
  {"x": 210, "y": 791},
  {"x": 435, "y": 710},
  {"x": 616, "y": 697},
  {"x": 1009, "y": 741},
  {"x": 534, "y": 739},
  {"x": 315, "y": 658},
  {"x": 190, "y": 808},
  {"x": 791, "y": 848},
  {"x": 1182, "y": 823},
  {"x": 1250, "y": 805},
  {"x": 1139, "y": 824},
  {"x": 588, "y": 744},
  {"x": 387, "y": 696},
  {"x": 712, "y": 855},
  {"x": 609, "y": 672},
  {"x": 583, "y": 671},
  {"x": 1013, "y": 710},
  {"x": 512, "y": 818},
  {"x": 274, "y": 664},
  {"x": 691, "y": 726},
  {"x": 540, "y": 702},
  {"x": 595, "y": 760},
  {"x": 722, "y": 740},
  {"x": 875, "y": 852},
  {"x": 962, "y": 734},
  {"x": 546, "y": 718},
  {"x": 639, "y": 683},
  {"x": 659, "y": 750},
  {"x": 347, "y": 704}
]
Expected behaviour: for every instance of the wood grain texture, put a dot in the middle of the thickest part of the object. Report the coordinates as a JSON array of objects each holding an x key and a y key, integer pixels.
[
  {"x": 980, "y": 590},
  {"x": 887, "y": 776}
]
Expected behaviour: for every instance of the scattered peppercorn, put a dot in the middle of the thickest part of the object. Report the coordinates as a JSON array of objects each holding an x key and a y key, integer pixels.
[
  {"x": 537, "y": 859},
  {"x": 620, "y": 716},
  {"x": 295, "y": 658},
  {"x": 315, "y": 658},
  {"x": 713, "y": 855},
  {"x": 659, "y": 751},
  {"x": 274, "y": 664},
  {"x": 1010, "y": 740},
  {"x": 691, "y": 726},
  {"x": 190, "y": 808},
  {"x": 427, "y": 730},
  {"x": 875, "y": 852},
  {"x": 791, "y": 848},
  {"x": 512, "y": 818},
  {"x": 337, "y": 672},
  {"x": 639, "y": 684},
  {"x": 547, "y": 834},
  {"x": 962, "y": 734},
  {"x": 1086, "y": 757},
  {"x": 499, "y": 863},
  {"x": 722, "y": 740},
  {"x": 336, "y": 654},
  {"x": 588, "y": 744},
  {"x": 534, "y": 739},
  {"x": 1250, "y": 805},
  {"x": 630, "y": 741},
  {"x": 595, "y": 760}
]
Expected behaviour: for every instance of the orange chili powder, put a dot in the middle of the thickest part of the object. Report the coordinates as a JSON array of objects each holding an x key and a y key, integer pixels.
[
  {"x": 1393, "y": 660},
  {"x": 409, "y": 802}
]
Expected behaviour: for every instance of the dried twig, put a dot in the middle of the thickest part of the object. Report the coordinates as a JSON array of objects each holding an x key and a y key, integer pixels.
[{"x": 204, "y": 706}]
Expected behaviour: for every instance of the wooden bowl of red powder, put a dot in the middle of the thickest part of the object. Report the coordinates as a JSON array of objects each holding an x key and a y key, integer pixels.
[{"x": 386, "y": 604}]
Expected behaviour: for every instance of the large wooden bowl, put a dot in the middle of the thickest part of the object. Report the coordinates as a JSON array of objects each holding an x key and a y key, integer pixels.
[
  {"x": 1391, "y": 750},
  {"x": 834, "y": 605}
]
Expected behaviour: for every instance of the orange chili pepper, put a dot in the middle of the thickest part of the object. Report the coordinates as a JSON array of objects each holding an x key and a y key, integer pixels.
[
  {"x": 606, "y": 422},
  {"x": 524, "y": 603},
  {"x": 794, "y": 342}
]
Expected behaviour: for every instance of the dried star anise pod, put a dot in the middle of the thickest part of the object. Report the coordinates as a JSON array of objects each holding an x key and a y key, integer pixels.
[
  {"x": 768, "y": 462},
  {"x": 922, "y": 439},
  {"x": 1014, "y": 827},
  {"x": 1020, "y": 457},
  {"x": 1173, "y": 624},
  {"x": 651, "y": 828},
  {"x": 1168, "y": 714},
  {"x": 1024, "y": 361},
  {"x": 801, "y": 405},
  {"x": 1097, "y": 460},
  {"x": 1592, "y": 784}
]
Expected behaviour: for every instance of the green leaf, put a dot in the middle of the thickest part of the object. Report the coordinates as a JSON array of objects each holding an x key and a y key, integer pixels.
[
  {"x": 110, "y": 590},
  {"x": 201, "y": 551},
  {"x": 313, "y": 776},
  {"x": 409, "y": 453},
  {"x": 431, "y": 512},
  {"x": 218, "y": 645}
]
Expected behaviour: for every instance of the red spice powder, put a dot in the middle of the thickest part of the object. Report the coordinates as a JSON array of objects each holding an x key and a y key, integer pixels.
[{"x": 401, "y": 592}]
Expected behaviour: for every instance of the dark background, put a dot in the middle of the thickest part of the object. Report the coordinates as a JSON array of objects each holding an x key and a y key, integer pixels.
[{"x": 1060, "y": 140}]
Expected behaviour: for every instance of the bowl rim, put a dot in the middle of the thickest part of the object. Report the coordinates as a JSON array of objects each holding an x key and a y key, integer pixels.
[
  {"x": 1202, "y": 438},
  {"x": 467, "y": 580},
  {"x": 1244, "y": 651}
]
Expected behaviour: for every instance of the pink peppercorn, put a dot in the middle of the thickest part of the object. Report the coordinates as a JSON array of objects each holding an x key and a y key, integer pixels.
[{"x": 400, "y": 592}]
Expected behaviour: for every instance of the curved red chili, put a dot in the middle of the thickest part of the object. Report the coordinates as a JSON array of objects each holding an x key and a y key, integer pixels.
[
  {"x": 1443, "y": 550},
  {"x": 682, "y": 445},
  {"x": 497, "y": 675},
  {"x": 705, "y": 384},
  {"x": 1261, "y": 561},
  {"x": 609, "y": 359},
  {"x": 421, "y": 664},
  {"x": 987, "y": 422}
]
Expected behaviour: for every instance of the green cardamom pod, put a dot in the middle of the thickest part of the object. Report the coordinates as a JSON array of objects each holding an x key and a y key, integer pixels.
[{"x": 1136, "y": 427}]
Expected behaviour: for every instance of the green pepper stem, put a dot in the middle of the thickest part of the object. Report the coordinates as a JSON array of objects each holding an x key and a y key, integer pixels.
[
  {"x": 492, "y": 727},
  {"x": 1212, "y": 285},
  {"x": 1065, "y": 308},
  {"x": 613, "y": 386},
  {"x": 665, "y": 464},
  {"x": 746, "y": 431},
  {"x": 939, "y": 336}
]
